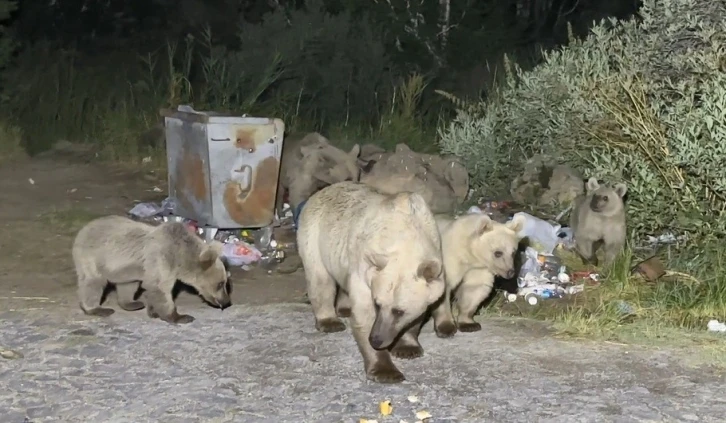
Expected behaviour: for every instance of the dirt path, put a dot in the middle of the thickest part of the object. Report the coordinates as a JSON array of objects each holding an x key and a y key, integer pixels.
[{"x": 262, "y": 360}]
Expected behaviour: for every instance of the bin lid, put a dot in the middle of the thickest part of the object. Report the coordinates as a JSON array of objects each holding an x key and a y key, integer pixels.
[{"x": 187, "y": 113}]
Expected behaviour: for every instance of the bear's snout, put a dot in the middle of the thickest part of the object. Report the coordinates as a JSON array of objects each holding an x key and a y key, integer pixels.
[
  {"x": 510, "y": 274},
  {"x": 225, "y": 303},
  {"x": 376, "y": 341}
]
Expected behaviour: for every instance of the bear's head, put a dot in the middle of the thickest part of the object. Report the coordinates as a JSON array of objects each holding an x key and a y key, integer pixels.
[
  {"x": 406, "y": 272},
  {"x": 211, "y": 279},
  {"x": 494, "y": 245},
  {"x": 332, "y": 164},
  {"x": 605, "y": 199}
]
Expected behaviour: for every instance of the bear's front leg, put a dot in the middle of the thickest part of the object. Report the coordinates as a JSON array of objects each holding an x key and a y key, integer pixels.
[
  {"x": 378, "y": 364},
  {"x": 443, "y": 318},
  {"x": 614, "y": 243},
  {"x": 160, "y": 304},
  {"x": 407, "y": 346},
  {"x": 585, "y": 248},
  {"x": 472, "y": 292}
]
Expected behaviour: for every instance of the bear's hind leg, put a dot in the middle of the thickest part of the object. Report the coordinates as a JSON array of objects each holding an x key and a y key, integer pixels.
[
  {"x": 321, "y": 293},
  {"x": 90, "y": 292},
  {"x": 126, "y": 293},
  {"x": 342, "y": 303}
]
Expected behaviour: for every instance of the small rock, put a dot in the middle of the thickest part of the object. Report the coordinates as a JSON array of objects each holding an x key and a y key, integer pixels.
[
  {"x": 82, "y": 332},
  {"x": 10, "y": 354}
]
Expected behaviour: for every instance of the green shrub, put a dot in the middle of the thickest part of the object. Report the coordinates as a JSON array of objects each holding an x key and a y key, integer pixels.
[{"x": 641, "y": 101}]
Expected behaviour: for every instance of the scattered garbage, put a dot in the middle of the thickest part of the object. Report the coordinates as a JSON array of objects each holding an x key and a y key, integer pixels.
[
  {"x": 566, "y": 238},
  {"x": 240, "y": 253},
  {"x": 147, "y": 210},
  {"x": 242, "y": 248},
  {"x": 543, "y": 276},
  {"x": 423, "y": 415},
  {"x": 541, "y": 233},
  {"x": 385, "y": 408},
  {"x": 716, "y": 326},
  {"x": 624, "y": 308},
  {"x": 665, "y": 238},
  {"x": 650, "y": 269}
]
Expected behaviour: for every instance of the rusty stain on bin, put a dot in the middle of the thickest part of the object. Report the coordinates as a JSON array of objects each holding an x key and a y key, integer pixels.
[
  {"x": 254, "y": 206},
  {"x": 190, "y": 177},
  {"x": 245, "y": 139}
]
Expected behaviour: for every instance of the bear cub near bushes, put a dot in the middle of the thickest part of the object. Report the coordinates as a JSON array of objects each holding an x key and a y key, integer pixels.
[{"x": 598, "y": 219}]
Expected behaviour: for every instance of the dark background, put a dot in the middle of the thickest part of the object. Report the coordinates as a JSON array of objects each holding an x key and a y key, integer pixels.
[{"x": 87, "y": 70}]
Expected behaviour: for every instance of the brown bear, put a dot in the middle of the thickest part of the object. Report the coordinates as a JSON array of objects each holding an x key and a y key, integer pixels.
[
  {"x": 126, "y": 253},
  {"x": 384, "y": 254}
]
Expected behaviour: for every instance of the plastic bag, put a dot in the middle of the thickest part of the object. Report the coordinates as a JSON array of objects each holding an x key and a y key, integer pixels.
[
  {"x": 530, "y": 270},
  {"x": 240, "y": 253},
  {"x": 145, "y": 210},
  {"x": 540, "y": 232}
]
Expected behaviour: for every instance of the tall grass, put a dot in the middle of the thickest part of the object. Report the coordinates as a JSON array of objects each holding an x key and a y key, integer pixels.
[{"x": 112, "y": 102}]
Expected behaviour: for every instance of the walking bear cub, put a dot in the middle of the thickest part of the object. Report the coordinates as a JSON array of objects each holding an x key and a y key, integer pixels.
[
  {"x": 476, "y": 249},
  {"x": 126, "y": 253}
]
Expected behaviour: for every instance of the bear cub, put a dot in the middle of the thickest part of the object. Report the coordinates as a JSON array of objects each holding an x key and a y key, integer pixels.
[
  {"x": 598, "y": 218},
  {"x": 129, "y": 254}
]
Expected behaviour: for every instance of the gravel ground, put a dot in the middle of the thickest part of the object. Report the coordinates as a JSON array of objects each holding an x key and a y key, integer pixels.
[{"x": 268, "y": 364}]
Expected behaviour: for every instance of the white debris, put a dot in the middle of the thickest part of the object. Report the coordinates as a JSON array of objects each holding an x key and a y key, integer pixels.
[{"x": 716, "y": 326}]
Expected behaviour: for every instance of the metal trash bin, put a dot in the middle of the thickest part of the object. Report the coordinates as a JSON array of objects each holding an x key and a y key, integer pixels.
[{"x": 223, "y": 170}]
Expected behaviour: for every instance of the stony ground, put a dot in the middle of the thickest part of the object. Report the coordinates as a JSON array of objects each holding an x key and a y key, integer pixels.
[{"x": 262, "y": 360}]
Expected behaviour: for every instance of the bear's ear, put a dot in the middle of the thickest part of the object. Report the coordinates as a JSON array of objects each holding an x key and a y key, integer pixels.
[
  {"x": 429, "y": 270},
  {"x": 377, "y": 261},
  {"x": 216, "y": 246},
  {"x": 621, "y": 190},
  {"x": 410, "y": 203},
  {"x": 355, "y": 151},
  {"x": 517, "y": 223},
  {"x": 207, "y": 257},
  {"x": 592, "y": 184},
  {"x": 483, "y": 224}
]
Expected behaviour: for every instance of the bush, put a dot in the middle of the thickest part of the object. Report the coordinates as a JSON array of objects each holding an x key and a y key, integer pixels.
[{"x": 641, "y": 101}]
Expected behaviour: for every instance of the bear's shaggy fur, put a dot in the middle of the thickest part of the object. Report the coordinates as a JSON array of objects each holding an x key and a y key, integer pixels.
[
  {"x": 476, "y": 249},
  {"x": 126, "y": 253},
  {"x": 598, "y": 218},
  {"x": 384, "y": 254},
  {"x": 311, "y": 163}
]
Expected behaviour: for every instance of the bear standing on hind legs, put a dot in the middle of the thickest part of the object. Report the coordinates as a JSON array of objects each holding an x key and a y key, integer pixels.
[
  {"x": 598, "y": 217},
  {"x": 126, "y": 253},
  {"x": 384, "y": 254}
]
